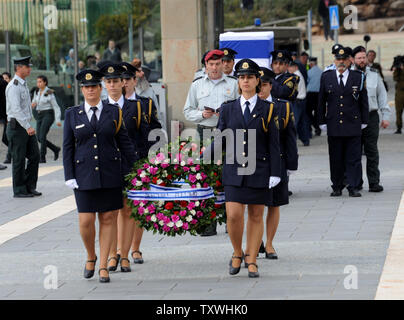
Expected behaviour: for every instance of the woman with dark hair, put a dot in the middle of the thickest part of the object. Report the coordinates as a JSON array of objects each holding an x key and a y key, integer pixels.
[
  {"x": 44, "y": 102},
  {"x": 249, "y": 181}
]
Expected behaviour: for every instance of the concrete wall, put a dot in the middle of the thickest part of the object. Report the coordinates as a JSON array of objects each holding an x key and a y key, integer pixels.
[{"x": 181, "y": 32}]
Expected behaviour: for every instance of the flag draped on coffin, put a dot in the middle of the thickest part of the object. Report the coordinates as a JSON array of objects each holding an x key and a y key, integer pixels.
[{"x": 256, "y": 46}]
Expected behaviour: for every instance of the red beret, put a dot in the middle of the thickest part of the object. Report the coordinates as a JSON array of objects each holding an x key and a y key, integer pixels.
[{"x": 216, "y": 52}]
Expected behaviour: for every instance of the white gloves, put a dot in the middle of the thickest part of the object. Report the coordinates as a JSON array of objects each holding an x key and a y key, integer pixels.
[
  {"x": 273, "y": 181},
  {"x": 289, "y": 172},
  {"x": 363, "y": 126},
  {"x": 72, "y": 184},
  {"x": 323, "y": 127}
]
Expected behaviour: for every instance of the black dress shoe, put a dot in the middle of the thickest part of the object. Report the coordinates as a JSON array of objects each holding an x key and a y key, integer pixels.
[
  {"x": 290, "y": 193},
  {"x": 233, "y": 270},
  {"x": 103, "y": 279},
  {"x": 89, "y": 273},
  {"x": 375, "y": 188},
  {"x": 354, "y": 193},
  {"x": 35, "y": 193},
  {"x": 336, "y": 193},
  {"x": 271, "y": 255},
  {"x": 318, "y": 132},
  {"x": 398, "y": 131},
  {"x": 253, "y": 274},
  {"x": 137, "y": 260},
  {"x": 23, "y": 195},
  {"x": 2, "y": 167},
  {"x": 125, "y": 269},
  {"x": 113, "y": 268},
  {"x": 7, "y": 161},
  {"x": 56, "y": 154},
  {"x": 210, "y": 231}
]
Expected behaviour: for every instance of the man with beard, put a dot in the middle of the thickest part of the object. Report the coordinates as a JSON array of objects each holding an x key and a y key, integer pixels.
[
  {"x": 343, "y": 111},
  {"x": 377, "y": 99}
]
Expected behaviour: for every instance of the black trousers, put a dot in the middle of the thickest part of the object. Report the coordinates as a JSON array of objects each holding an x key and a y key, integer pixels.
[
  {"x": 45, "y": 120},
  {"x": 345, "y": 160},
  {"x": 370, "y": 135},
  {"x": 23, "y": 146},
  {"x": 311, "y": 109}
]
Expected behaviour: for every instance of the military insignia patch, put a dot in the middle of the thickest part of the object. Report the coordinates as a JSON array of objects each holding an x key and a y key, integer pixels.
[
  {"x": 289, "y": 84},
  {"x": 341, "y": 51},
  {"x": 261, "y": 73},
  {"x": 125, "y": 67},
  {"x": 292, "y": 116},
  {"x": 88, "y": 76},
  {"x": 16, "y": 82},
  {"x": 111, "y": 70},
  {"x": 280, "y": 55},
  {"x": 245, "y": 65},
  {"x": 225, "y": 52}
]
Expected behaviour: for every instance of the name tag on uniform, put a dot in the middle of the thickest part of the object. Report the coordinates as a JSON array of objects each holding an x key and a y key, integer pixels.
[{"x": 80, "y": 126}]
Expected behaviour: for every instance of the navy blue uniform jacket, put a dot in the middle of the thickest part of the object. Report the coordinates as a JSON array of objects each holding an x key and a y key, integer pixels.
[
  {"x": 267, "y": 144},
  {"x": 343, "y": 111},
  {"x": 287, "y": 135},
  {"x": 285, "y": 86},
  {"x": 93, "y": 157}
]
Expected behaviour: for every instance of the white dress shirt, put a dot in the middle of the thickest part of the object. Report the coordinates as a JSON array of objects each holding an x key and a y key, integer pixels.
[
  {"x": 252, "y": 101},
  {"x": 133, "y": 96},
  {"x": 89, "y": 112},
  {"x": 344, "y": 78},
  {"x": 119, "y": 102}
]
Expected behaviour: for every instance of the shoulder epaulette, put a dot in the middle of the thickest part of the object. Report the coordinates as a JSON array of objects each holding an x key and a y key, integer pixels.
[
  {"x": 15, "y": 82},
  {"x": 50, "y": 91},
  {"x": 197, "y": 79},
  {"x": 265, "y": 100},
  {"x": 328, "y": 70},
  {"x": 228, "y": 101},
  {"x": 232, "y": 77},
  {"x": 374, "y": 70},
  {"x": 281, "y": 100}
]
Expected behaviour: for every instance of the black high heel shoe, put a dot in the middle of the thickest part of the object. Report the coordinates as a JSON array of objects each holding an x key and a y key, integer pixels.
[
  {"x": 113, "y": 268},
  {"x": 271, "y": 255},
  {"x": 103, "y": 279},
  {"x": 125, "y": 269},
  {"x": 233, "y": 270},
  {"x": 262, "y": 248},
  {"x": 137, "y": 260},
  {"x": 245, "y": 260},
  {"x": 253, "y": 274},
  {"x": 89, "y": 273}
]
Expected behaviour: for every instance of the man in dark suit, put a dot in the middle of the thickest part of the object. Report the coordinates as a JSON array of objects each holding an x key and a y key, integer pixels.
[
  {"x": 3, "y": 115},
  {"x": 343, "y": 111}
]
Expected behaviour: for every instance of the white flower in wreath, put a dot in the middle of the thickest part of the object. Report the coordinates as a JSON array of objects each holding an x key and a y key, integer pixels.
[
  {"x": 141, "y": 204},
  {"x": 166, "y": 160},
  {"x": 193, "y": 212},
  {"x": 159, "y": 181},
  {"x": 193, "y": 169},
  {"x": 170, "y": 224},
  {"x": 153, "y": 218},
  {"x": 197, "y": 204},
  {"x": 198, "y": 176},
  {"x": 179, "y": 224},
  {"x": 161, "y": 203},
  {"x": 139, "y": 183},
  {"x": 198, "y": 185},
  {"x": 143, "y": 174},
  {"x": 189, "y": 218},
  {"x": 161, "y": 223},
  {"x": 165, "y": 174},
  {"x": 146, "y": 210},
  {"x": 182, "y": 163}
]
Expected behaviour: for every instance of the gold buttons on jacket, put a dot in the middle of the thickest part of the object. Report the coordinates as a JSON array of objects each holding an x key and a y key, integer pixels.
[
  {"x": 95, "y": 135},
  {"x": 78, "y": 161},
  {"x": 341, "y": 113},
  {"x": 341, "y": 105},
  {"x": 244, "y": 142},
  {"x": 243, "y": 165},
  {"x": 243, "y": 153},
  {"x": 95, "y": 146},
  {"x": 342, "y": 97},
  {"x": 96, "y": 157},
  {"x": 96, "y": 168},
  {"x": 244, "y": 130},
  {"x": 264, "y": 158},
  {"x": 340, "y": 121}
]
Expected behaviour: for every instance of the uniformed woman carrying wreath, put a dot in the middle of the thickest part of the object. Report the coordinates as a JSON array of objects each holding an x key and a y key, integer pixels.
[
  {"x": 94, "y": 142},
  {"x": 44, "y": 102},
  {"x": 249, "y": 114}
]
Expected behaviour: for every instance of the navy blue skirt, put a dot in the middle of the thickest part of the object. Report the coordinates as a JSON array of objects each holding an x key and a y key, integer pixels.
[
  {"x": 99, "y": 200},
  {"x": 248, "y": 195},
  {"x": 281, "y": 193}
]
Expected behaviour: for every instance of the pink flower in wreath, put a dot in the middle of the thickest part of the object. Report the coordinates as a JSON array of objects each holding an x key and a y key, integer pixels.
[
  {"x": 176, "y": 167},
  {"x": 134, "y": 182},
  {"x": 192, "y": 178},
  {"x": 190, "y": 161},
  {"x": 136, "y": 202},
  {"x": 204, "y": 176},
  {"x": 175, "y": 228},
  {"x": 186, "y": 169},
  {"x": 191, "y": 205},
  {"x": 165, "y": 165},
  {"x": 175, "y": 218},
  {"x": 146, "y": 166},
  {"x": 153, "y": 170},
  {"x": 139, "y": 172},
  {"x": 151, "y": 208},
  {"x": 148, "y": 218},
  {"x": 199, "y": 214},
  {"x": 194, "y": 221},
  {"x": 185, "y": 226},
  {"x": 160, "y": 157},
  {"x": 193, "y": 186},
  {"x": 156, "y": 226},
  {"x": 183, "y": 213},
  {"x": 145, "y": 179},
  {"x": 166, "y": 219},
  {"x": 166, "y": 228},
  {"x": 205, "y": 185},
  {"x": 140, "y": 210},
  {"x": 197, "y": 167},
  {"x": 160, "y": 216}
]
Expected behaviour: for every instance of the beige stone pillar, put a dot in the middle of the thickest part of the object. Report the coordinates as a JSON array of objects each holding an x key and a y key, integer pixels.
[{"x": 181, "y": 33}]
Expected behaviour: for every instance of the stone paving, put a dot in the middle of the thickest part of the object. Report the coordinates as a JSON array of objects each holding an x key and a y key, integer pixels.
[{"x": 318, "y": 237}]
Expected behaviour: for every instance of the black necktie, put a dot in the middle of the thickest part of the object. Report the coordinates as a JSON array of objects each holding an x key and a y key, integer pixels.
[
  {"x": 93, "y": 121},
  {"x": 247, "y": 113},
  {"x": 341, "y": 83}
]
